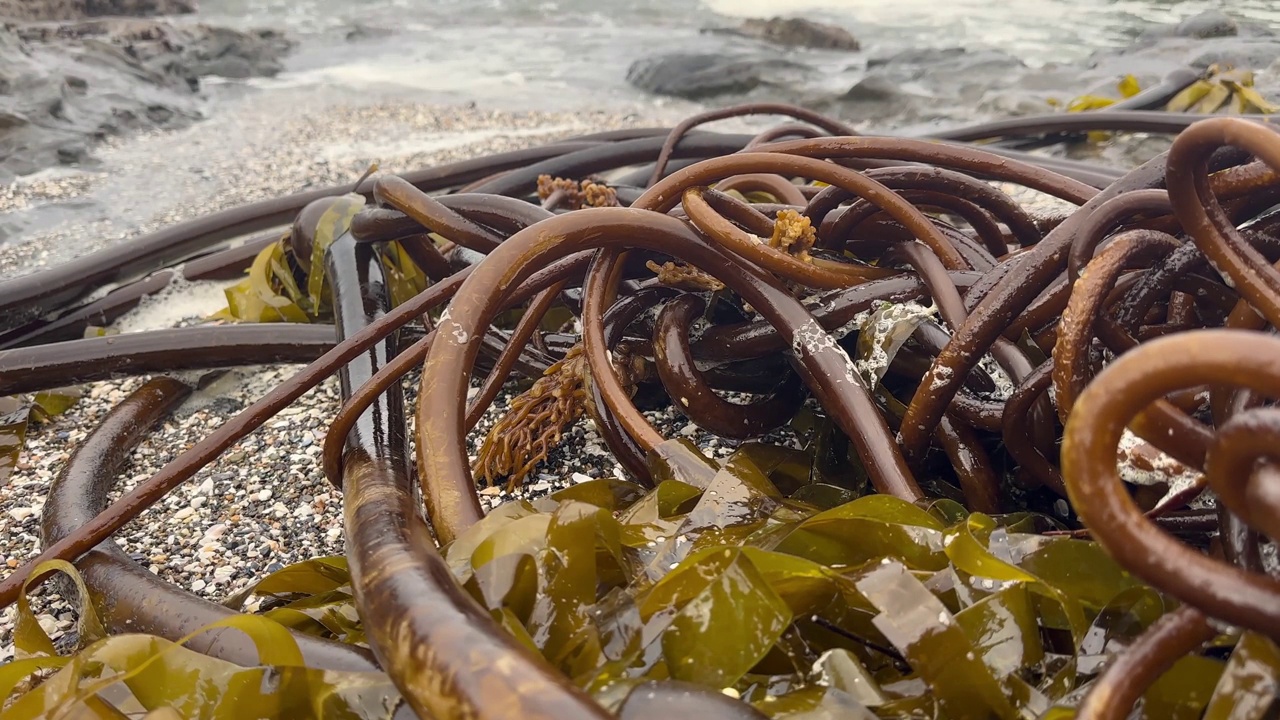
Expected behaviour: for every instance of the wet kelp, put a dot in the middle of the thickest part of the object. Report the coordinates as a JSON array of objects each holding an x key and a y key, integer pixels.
[{"x": 991, "y": 457}]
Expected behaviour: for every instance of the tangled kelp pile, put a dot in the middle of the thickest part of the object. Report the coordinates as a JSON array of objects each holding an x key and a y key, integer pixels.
[{"x": 1030, "y": 475}]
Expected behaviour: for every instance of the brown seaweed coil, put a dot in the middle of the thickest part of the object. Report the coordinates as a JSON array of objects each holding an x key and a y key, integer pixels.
[{"x": 874, "y": 321}]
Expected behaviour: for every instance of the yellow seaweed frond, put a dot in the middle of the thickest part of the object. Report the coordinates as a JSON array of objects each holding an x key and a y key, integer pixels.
[
  {"x": 793, "y": 233},
  {"x": 595, "y": 194},
  {"x": 548, "y": 185},
  {"x": 587, "y": 193}
]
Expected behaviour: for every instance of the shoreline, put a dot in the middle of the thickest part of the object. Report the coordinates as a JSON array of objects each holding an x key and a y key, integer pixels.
[
  {"x": 265, "y": 503},
  {"x": 254, "y": 151}
]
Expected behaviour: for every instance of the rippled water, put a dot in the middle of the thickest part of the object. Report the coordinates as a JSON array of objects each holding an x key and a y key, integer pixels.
[
  {"x": 572, "y": 55},
  {"x": 558, "y": 53}
]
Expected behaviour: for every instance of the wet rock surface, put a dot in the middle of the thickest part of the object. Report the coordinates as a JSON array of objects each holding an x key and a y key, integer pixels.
[
  {"x": 68, "y": 84},
  {"x": 794, "y": 32},
  {"x": 946, "y": 85},
  {"x": 57, "y": 10},
  {"x": 703, "y": 76}
]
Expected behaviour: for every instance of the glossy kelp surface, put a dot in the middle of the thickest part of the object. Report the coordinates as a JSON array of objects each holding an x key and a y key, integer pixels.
[{"x": 970, "y": 434}]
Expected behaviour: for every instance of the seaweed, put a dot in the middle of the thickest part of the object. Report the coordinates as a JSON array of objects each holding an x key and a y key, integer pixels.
[
  {"x": 971, "y": 391},
  {"x": 17, "y": 412}
]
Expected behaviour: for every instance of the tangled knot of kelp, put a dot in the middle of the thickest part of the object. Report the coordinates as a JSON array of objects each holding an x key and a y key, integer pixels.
[{"x": 1031, "y": 466}]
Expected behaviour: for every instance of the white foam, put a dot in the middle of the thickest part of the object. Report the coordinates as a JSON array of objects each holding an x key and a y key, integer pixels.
[{"x": 180, "y": 300}]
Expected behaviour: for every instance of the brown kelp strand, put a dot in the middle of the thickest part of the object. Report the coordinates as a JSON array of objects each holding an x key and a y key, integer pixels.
[
  {"x": 366, "y": 393},
  {"x": 42, "y": 367},
  {"x": 1143, "y": 121},
  {"x": 599, "y": 159},
  {"x": 35, "y": 294},
  {"x": 1229, "y": 357},
  {"x": 699, "y": 401},
  {"x": 126, "y": 596},
  {"x": 447, "y": 656},
  {"x": 944, "y": 453},
  {"x": 70, "y": 325},
  {"x": 1154, "y": 653},
  {"x": 677, "y": 134},
  {"x": 530, "y": 318}
]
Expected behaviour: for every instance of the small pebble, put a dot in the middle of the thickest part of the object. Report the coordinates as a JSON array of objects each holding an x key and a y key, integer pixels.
[{"x": 264, "y": 504}]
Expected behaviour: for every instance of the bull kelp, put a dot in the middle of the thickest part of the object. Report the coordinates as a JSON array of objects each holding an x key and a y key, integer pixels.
[{"x": 991, "y": 457}]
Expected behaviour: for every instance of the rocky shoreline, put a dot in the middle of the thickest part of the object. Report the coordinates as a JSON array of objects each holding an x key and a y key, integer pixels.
[
  {"x": 76, "y": 72},
  {"x": 782, "y": 59},
  {"x": 265, "y": 503}
]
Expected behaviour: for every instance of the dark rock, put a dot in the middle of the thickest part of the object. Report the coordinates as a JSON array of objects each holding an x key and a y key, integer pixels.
[
  {"x": 228, "y": 67},
  {"x": 945, "y": 66},
  {"x": 360, "y": 32},
  {"x": 917, "y": 56},
  {"x": 159, "y": 114},
  {"x": 61, "y": 10},
  {"x": 1208, "y": 24},
  {"x": 878, "y": 97},
  {"x": 795, "y": 32},
  {"x": 874, "y": 88},
  {"x": 63, "y": 85},
  {"x": 697, "y": 76},
  {"x": 930, "y": 84},
  {"x": 1251, "y": 54}
]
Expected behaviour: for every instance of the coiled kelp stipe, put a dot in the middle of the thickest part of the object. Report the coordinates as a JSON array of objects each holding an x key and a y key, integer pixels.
[{"x": 1001, "y": 430}]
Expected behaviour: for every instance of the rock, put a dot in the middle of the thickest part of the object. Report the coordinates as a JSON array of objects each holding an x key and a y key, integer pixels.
[
  {"x": 10, "y": 120},
  {"x": 360, "y": 32},
  {"x": 60, "y": 10},
  {"x": 73, "y": 153},
  {"x": 691, "y": 76},
  {"x": 916, "y": 56},
  {"x": 1236, "y": 52},
  {"x": 234, "y": 54},
  {"x": 946, "y": 66},
  {"x": 65, "y": 85},
  {"x": 877, "y": 96},
  {"x": 873, "y": 88},
  {"x": 236, "y": 68},
  {"x": 796, "y": 32},
  {"x": 213, "y": 534},
  {"x": 1208, "y": 24},
  {"x": 699, "y": 76},
  {"x": 930, "y": 84}
]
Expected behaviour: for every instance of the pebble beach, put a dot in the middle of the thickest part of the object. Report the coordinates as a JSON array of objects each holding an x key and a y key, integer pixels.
[{"x": 264, "y": 504}]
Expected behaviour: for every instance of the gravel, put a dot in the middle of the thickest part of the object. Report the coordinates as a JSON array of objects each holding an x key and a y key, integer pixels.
[
  {"x": 264, "y": 149},
  {"x": 265, "y": 503}
]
